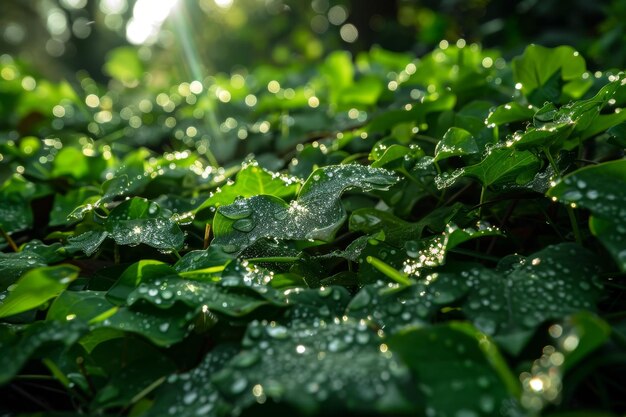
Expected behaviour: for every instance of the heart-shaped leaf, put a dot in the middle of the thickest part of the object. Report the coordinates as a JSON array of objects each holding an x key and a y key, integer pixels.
[{"x": 316, "y": 214}]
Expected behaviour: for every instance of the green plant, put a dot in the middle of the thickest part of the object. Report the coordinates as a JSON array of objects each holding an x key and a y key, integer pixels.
[{"x": 443, "y": 236}]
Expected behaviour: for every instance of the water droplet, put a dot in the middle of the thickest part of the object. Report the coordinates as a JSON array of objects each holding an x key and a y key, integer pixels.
[
  {"x": 487, "y": 403},
  {"x": 246, "y": 359},
  {"x": 244, "y": 225},
  {"x": 361, "y": 300},
  {"x": 281, "y": 214},
  {"x": 228, "y": 248},
  {"x": 277, "y": 332},
  {"x": 572, "y": 195},
  {"x": 190, "y": 397},
  {"x": 239, "y": 386}
]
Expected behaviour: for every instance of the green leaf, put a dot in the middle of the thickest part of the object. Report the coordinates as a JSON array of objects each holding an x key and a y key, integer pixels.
[
  {"x": 164, "y": 293},
  {"x": 316, "y": 214},
  {"x": 333, "y": 367},
  {"x": 124, "y": 65},
  {"x": 455, "y": 142},
  {"x": 146, "y": 270},
  {"x": 509, "y": 113},
  {"x": 371, "y": 221},
  {"x": 88, "y": 242},
  {"x": 503, "y": 165},
  {"x": 64, "y": 205},
  {"x": 193, "y": 393},
  {"x": 36, "y": 287},
  {"x": 601, "y": 189},
  {"x": 550, "y": 284},
  {"x": 251, "y": 181},
  {"x": 125, "y": 387},
  {"x": 394, "y": 308},
  {"x": 339, "y": 70},
  {"x": 70, "y": 162},
  {"x": 15, "y": 211},
  {"x": 539, "y": 65},
  {"x": 81, "y": 305},
  {"x": 133, "y": 222},
  {"x": 364, "y": 92},
  {"x": 571, "y": 340},
  {"x": 33, "y": 255},
  {"x": 454, "y": 360},
  {"x": 138, "y": 221},
  {"x": 161, "y": 327},
  {"x": 417, "y": 113},
  {"x": 41, "y": 339}
]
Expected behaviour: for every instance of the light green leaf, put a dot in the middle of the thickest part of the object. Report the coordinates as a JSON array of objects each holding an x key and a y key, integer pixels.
[
  {"x": 509, "y": 113},
  {"x": 124, "y": 65},
  {"x": 503, "y": 165},
  {"x": 36, "y": 287},
  {"x": 455, "y": 142},
  {"x": 538, "y": 65},
  {"x": 251, "y": 181}
]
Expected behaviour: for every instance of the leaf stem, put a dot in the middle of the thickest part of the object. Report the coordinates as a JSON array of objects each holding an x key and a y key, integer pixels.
[
  {"x": 482, "y": 201},
  {"x": 8, "y": 239},
  {"x": 389, "y": 271},
  {"x": 568, "y": 208},
  {"x": 574, "y": 222},
  {"x": 207, "y": 236}
]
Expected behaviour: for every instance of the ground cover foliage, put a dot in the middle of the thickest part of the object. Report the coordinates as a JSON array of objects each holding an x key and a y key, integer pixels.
[{"x": 383, "y": 235}]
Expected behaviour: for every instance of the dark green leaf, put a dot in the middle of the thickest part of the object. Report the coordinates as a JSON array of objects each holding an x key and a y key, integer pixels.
[
  {"x": 601, "y": 189},
  {"x": 456, "y": 361},
  {"x": 316, "y": 214}
]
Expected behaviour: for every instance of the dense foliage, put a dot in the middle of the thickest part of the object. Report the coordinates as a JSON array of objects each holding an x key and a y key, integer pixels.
[{"x": 442, "y": 236}]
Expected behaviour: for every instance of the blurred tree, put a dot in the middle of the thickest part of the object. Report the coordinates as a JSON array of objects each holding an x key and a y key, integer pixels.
[{"x": 61, "y": 37}]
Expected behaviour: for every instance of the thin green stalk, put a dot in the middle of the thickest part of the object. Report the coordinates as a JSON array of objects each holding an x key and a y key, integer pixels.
[
  {"x": 389, "y": 271},
  {"x": 482, "y": 201},
  {"x": 574, "y": 222},
  {"x": 568, "y": 208}
]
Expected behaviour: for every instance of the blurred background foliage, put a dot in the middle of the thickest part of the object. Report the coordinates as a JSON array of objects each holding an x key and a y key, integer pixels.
[{"x": 189, "y": 39}]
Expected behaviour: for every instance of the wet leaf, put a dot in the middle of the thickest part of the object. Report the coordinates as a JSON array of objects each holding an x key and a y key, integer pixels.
[
  {"x": 550, "y": 284},
  {"x": 36, "y": 287},
  {"x": 460, "y": 362},
  {"x": 538, "y": 65},
  {"x": 455, "y": 142},
  {"x": 41, "y": 339},
  {"x": 332, "y": 367},
  {"x": 601, "y": 189},
  {"x": 251, "y": 181},
  {"x": 316, "y": 214}
]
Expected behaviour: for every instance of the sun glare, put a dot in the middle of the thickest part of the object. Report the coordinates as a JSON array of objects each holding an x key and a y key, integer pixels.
[
  {"x": 225, "y": 4},
  {"x": 148, "y": 16}
]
